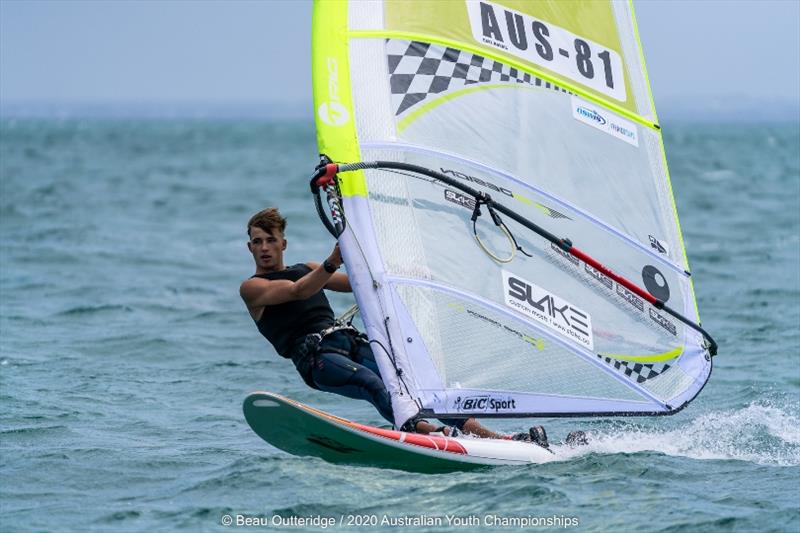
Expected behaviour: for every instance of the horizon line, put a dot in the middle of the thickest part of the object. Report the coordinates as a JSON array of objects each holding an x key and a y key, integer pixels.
[{"x": 719, "y": 108}]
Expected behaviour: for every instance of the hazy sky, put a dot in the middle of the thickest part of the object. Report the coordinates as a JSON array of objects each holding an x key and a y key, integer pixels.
[{"x": 259, "y": 51}]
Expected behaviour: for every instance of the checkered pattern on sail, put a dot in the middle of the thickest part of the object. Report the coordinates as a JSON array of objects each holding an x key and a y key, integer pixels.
[
  {"x": 640, "y": 371},
  {"x": 418, "y": 70}
]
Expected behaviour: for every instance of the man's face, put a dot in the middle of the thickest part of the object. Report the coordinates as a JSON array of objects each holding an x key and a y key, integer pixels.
[{"x": 267, "y": 248}]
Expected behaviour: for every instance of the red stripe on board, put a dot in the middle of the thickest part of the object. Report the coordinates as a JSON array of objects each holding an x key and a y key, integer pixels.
[{"x": 443, "y": 444}]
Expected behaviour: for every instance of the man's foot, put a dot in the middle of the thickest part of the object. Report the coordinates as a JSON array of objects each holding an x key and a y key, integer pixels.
[
  {"x": 536, "y": 434},
  {"x": 539, "y": 436},
  {"x": 448, "y": 431},
  {"x": 576, "y": 438}
]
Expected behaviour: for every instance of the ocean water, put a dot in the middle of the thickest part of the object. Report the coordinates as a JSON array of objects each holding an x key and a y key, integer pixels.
[{"x": 125, "y": 352}]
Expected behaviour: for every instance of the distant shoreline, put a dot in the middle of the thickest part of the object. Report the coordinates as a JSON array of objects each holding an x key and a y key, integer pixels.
[
  {"x": 158, "y": 110},
  {"x": 712, "y": 110}
]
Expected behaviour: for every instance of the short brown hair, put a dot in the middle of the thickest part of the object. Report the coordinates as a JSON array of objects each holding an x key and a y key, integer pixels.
[{"x": 267, "y": 219}]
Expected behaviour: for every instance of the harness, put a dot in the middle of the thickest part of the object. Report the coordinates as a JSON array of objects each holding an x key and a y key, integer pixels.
[{"x": 306, "y": 348}]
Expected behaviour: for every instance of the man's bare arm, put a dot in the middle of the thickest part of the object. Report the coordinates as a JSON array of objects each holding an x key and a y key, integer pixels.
[
  {"x": 339, "y": 281},
  {"x": 258, "y": 292}
]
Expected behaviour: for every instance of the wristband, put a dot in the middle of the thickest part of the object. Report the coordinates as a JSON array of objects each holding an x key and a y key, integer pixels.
[{"x": 329, "y": 267}]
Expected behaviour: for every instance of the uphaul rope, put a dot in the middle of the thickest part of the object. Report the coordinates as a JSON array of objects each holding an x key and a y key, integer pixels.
[{"x": 325, "y": 176}]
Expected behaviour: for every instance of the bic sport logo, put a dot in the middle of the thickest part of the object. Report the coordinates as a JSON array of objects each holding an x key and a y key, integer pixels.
[
  {"x": 484, "y": 403},
  {"x": 333, "y": 112}
]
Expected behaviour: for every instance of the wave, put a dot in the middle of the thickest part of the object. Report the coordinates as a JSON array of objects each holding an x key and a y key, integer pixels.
[
  {"x": 761, "y": 433},
  {"x": 92, "y": 309}
]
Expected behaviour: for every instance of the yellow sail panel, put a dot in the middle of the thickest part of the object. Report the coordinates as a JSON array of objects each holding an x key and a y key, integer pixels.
[
  {"x": 333, "y": 102},
  {"x": 589, "y": 48}
]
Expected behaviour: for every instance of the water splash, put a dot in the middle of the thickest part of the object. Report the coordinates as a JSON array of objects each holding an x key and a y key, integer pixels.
[{"x": 761, "y": 433}]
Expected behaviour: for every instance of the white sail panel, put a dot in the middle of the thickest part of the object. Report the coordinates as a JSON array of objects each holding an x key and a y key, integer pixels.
[
  {"x": 535, "y": 114},
  {"x": 481, "y": 347},
  {"x": 422, "y": 234}
]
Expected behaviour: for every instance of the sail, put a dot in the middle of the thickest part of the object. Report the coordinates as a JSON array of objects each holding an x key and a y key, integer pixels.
[{"x": 545, "y": 109}]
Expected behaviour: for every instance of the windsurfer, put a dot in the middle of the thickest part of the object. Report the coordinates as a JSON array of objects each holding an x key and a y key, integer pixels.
[{"x": 291, "y": 311}]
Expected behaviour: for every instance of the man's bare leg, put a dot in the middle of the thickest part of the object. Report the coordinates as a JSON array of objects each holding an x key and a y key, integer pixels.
[
  {"x": 473, "y": 427},
  {"x": 536, "y": 434}
]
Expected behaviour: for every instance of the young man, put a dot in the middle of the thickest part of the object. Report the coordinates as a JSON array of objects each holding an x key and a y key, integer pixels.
[{"x": 291, "y": 311}]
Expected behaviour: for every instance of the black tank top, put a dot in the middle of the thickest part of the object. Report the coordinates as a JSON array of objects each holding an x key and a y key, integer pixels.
[{"x": 284, "y": 323}]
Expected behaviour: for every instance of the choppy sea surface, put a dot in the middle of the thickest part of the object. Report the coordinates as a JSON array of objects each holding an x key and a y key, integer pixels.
[{"x": 125, "y": 352}]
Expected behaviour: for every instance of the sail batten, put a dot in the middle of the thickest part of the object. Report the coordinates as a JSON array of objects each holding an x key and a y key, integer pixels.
[{"x": 477, "y": 276}]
